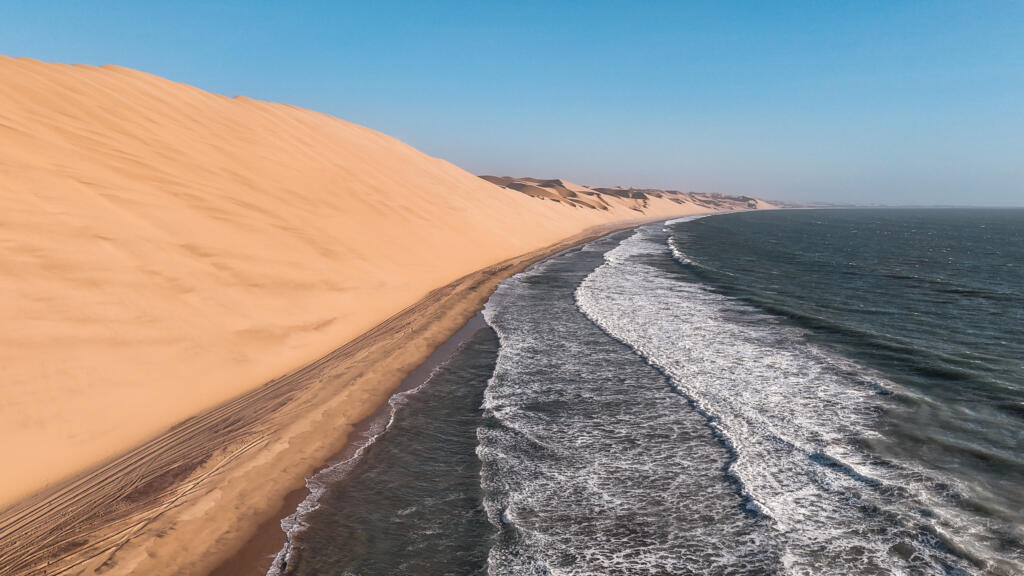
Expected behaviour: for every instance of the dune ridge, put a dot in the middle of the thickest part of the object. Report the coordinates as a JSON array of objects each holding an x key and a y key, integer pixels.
[
  {"x": 168, "y": 250},
  {"x": 605, "y": 198}
]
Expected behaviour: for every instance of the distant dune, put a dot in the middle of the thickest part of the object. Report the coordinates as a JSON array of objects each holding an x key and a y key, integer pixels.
[
  {"x": 637, "y": 199},
  {"x": 166, "y": 249}
]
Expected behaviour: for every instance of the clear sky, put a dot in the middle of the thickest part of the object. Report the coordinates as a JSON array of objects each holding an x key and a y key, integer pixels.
[{"x": 870, "y": 102}]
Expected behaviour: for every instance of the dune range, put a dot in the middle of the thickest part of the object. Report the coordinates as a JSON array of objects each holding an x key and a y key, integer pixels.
[{"x": 174, "y": 264}]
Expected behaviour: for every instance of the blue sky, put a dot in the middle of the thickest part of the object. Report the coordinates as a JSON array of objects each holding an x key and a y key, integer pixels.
[{"x": 870, "y": 102}]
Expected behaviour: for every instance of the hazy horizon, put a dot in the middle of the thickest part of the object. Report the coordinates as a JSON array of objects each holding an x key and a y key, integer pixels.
[{"x": 888, "y": 103}]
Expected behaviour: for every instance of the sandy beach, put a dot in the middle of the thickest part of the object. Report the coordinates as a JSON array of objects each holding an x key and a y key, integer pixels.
[{"x": 178, "y": 262}]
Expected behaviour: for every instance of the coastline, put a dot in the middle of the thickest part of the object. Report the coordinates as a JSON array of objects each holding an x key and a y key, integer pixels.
[
  {"x": 258, "y": 553},
  {"x": 201, "y": 496},
  {"x": 163, "y": 267}
]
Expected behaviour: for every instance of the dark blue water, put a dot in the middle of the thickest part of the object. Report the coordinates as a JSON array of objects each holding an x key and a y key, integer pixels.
[
  {"x": 933, "y": 302},
  {"x": 798, "y": 392},
  {"x": 410, "y": 502}
]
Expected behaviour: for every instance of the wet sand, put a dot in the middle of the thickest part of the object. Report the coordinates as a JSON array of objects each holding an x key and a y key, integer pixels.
[{"x": 256, "y": 556}]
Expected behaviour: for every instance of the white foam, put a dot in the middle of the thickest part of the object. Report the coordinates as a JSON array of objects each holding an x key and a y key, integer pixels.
[
  {"x": 590, "y": 464},
  {"x": 685, "y": 219},
  {"x": 795, "y": 415}
]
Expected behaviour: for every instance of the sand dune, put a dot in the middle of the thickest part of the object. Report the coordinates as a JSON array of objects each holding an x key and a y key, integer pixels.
[
  {"x": 166, "y": 250},
  {"x": 637, "y": 199}
]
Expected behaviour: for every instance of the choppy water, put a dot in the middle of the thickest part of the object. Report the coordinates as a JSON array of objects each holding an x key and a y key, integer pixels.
[{"x": 801, "y": 392}]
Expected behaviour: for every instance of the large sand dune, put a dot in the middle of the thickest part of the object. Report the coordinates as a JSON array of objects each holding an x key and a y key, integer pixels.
[{"x": 165, "y": 250}]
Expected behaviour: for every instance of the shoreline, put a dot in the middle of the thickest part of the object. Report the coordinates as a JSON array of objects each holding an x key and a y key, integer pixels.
[
  {"x": 199, "y": 496},
  {"x": 259, "y": 552}
]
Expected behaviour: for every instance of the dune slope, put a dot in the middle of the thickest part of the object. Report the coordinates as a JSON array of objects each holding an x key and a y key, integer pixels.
[{"x": 166, "y": 249}]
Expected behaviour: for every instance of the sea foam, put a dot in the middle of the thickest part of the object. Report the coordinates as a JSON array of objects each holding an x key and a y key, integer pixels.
[
  {"x": 795, "y": 416},
  {"x": 591, "y": 464}
]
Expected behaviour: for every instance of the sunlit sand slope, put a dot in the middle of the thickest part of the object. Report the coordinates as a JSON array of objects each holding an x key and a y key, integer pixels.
[{"x": 166, "y": 249}]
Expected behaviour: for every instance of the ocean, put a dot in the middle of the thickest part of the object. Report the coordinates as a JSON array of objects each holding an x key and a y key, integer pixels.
[{"x": 787, "y": 392}]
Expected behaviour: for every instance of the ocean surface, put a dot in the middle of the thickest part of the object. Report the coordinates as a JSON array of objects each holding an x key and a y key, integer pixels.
[{"x": 792, "y": 392}]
